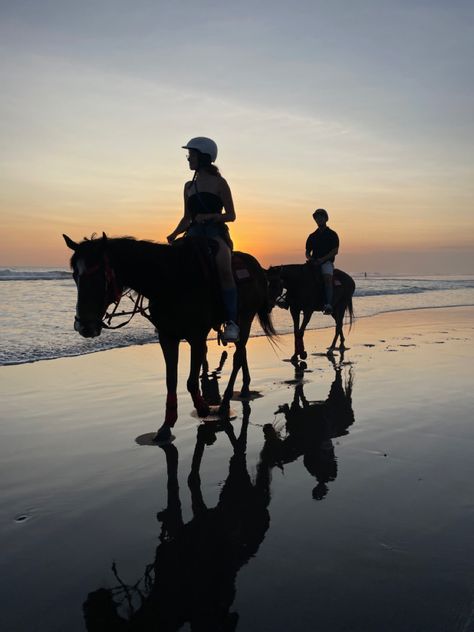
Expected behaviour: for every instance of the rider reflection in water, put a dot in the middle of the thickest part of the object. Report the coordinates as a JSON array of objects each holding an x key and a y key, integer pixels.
[
  {"x": 205, "y": 196},
  {"x": 311, "y": 427},
  {"x": 193, "y": 576}
]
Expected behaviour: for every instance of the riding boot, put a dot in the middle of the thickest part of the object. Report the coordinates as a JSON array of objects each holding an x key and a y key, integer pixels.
[
  {"x": 229, "y": 296},
  {"x": 231, "y": 329}
]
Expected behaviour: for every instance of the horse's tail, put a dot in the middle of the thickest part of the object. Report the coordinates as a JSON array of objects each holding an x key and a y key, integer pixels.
[
  {"x": 266, "y": 322},
  {"x": 349, "y": 307},
  {"x": 350, "y": 310}
]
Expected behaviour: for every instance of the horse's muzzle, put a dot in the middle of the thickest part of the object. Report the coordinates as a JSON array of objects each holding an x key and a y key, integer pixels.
[{"x": 87, "y": 329}]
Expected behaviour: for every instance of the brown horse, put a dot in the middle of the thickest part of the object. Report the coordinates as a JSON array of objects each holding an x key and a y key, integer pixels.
[
  {"x": 180, "y": 282},
  {"x": 305, "y": 294}
]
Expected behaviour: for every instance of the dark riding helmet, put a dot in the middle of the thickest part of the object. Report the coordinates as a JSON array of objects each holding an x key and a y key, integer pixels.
[{"x": 321, "y": 212}]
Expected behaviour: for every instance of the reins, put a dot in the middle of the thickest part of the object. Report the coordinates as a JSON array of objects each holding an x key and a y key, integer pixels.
[
  {"x": 114, "y": 291},
  {"x": 138, "y": 308}
]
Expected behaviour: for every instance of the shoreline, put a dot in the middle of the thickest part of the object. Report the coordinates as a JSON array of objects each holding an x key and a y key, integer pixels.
[{"x": 260, "y": 334}]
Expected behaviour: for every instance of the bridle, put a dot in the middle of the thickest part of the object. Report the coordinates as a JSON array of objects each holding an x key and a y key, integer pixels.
[{"x": 114, "y": 294}]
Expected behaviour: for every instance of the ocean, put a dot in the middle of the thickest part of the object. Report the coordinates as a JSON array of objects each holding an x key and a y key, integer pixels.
[{"x": 38, "y": 306}]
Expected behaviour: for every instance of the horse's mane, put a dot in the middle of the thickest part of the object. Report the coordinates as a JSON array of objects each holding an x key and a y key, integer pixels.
[{"x": 94, "y": 238}]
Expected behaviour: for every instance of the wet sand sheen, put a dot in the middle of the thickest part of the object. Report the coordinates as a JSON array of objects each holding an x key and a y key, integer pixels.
[{"x": 339, "y": 500}]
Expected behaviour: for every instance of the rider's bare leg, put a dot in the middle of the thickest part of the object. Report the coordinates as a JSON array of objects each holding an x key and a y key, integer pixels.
[{"x": 228, "y": 287}]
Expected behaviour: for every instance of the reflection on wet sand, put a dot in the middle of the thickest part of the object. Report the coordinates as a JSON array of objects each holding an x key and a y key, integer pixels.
[
  {"x": 193, "y": 576},
  {"x": 310, "y": 427}
]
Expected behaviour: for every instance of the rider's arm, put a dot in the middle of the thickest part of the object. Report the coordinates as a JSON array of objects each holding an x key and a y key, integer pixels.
[
  {"x": 332, "y": 253},
  {"x": 184, "y": 222}
]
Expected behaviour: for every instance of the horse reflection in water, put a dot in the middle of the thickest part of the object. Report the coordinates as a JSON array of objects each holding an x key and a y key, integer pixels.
[
  {"x": 192, "y": 579},
  {"x": 311, "y": 427}
]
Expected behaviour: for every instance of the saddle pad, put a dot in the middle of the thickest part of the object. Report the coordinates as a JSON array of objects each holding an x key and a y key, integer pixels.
[{"x": 240, "y": 270}]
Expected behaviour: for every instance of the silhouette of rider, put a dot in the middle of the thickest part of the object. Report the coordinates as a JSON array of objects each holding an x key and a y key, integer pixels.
[
  {"x": 321, "y": 248},
  {"x": 205, "y": 197}
]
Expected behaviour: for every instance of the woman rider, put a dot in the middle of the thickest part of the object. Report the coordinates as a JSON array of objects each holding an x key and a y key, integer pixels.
[{"x": 205, "y": 196}]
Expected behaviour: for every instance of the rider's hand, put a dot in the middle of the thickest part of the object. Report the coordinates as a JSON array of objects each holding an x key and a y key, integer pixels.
[{"x": 201, "y": 218}]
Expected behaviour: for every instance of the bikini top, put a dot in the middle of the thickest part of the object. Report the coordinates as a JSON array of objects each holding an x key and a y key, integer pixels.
[{"x": 203, "y": 202}]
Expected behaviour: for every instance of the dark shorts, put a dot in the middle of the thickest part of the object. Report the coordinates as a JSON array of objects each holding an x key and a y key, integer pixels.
[{"x": 210, "y": 230}]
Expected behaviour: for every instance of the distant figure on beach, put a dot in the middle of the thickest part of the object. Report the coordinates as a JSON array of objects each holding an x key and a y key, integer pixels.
[
  {"x": 322, "y": 247},
  {"x": 205, "y": 197}
]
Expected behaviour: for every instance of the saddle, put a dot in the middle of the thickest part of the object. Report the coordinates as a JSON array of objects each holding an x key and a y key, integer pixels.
[
  {"x": 206, "y": 250},
  {"x": 204, "y": 255}
]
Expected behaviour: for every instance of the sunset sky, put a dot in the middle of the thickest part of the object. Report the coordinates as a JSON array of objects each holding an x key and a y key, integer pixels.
[{"x": 363, "y": 107}]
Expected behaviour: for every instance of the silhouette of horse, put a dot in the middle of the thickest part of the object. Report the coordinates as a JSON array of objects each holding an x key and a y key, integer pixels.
[
  {"x": 192, "y": 578},
  {"x": 180, "y": 282},
  {"x": 310, "y": 427},
  {"x": 305, "y": 293}
]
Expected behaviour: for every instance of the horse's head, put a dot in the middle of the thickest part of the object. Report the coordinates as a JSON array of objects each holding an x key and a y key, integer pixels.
[
  {"x": 275, "y": 284},
  {"x": 97, "y": 286}
]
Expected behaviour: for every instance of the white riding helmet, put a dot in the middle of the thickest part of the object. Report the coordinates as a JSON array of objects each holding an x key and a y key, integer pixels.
[{"x": 203, "y": 145}]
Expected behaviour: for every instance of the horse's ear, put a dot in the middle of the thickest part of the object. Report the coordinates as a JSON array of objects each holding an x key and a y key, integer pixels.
[
  {"x": 104, "y": 239},
  {"x": 70, "y": 243}
]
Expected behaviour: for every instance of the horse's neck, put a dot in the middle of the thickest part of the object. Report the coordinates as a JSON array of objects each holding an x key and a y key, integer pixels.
[
  {"x": 291, "y": 275},
  {"x": 141, "y": 266}
]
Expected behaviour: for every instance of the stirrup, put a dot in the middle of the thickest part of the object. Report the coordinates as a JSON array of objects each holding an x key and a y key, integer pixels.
[
  {"x": 282, "y": 302},
  {"x": 327, "y": 310}
]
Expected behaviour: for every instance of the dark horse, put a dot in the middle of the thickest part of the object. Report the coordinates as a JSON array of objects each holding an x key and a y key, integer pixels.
[
  {"x": 305, "y": 294},
  {"x": 181, "y": 285}
]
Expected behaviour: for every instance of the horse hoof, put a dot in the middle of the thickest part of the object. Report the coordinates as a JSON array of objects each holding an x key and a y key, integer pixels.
[{"x": 163, "y": 435}]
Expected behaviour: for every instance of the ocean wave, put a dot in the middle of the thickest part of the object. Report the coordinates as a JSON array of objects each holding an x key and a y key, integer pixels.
[
  {"x": 7, "y": 274},
  {"x": 391, "y": 287}
]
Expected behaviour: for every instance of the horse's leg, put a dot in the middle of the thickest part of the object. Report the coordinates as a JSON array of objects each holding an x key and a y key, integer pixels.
[
  {"x": 198, "y": 355},
  {"x": 306, "y": 318},
  {"x": 338, "y": 315},
  {"x": 336, "y": 335},
  {"x": 341, "y": 332},
  {"x": 295, "y": 314},
  {"x": 237, "y": 361},
  {"x": 170, "y": 348},
  {"x": 244, "y": 333}
]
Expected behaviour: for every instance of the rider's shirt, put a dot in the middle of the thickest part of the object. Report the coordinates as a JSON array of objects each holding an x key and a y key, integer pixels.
[{"x": 321, "y": 242}]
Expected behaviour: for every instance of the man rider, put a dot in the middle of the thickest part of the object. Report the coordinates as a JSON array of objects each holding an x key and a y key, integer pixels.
[{"x": 321, "y": 248}]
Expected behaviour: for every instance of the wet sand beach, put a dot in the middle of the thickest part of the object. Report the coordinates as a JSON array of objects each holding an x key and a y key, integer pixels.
[{"x": 339, "y": 499}]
